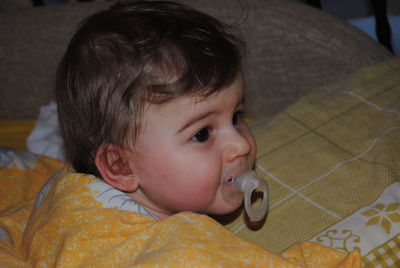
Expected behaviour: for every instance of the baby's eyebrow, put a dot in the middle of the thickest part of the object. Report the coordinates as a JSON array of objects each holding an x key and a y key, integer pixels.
[{"x": 195, "y": 119}]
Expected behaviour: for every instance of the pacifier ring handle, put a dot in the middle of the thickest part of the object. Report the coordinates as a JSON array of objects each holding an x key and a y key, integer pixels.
[
  {"x": 247, "y": 183},
  {"x": 255, "y": 214}
]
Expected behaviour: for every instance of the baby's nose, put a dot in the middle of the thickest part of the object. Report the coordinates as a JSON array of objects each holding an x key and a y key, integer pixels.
[{"x": 237, "y": 145}]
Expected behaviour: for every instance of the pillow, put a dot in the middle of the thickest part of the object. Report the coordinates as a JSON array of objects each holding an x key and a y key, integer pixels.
[{"x": 45, "y": 138}]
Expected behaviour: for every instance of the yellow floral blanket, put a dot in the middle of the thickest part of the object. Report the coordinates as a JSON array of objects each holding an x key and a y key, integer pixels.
[{"x": 77, "y": 221}]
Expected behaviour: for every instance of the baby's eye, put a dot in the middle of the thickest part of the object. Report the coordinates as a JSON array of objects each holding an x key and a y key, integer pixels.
[
  {"x": 237, "y": 117},
  {"x": 202, "y": 135}
]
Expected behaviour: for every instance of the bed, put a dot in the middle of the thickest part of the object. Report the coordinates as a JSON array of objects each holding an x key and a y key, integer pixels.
[{"x": 325, "y": 113}]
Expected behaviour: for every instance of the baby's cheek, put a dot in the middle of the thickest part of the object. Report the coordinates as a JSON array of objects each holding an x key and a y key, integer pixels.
[
  {"x": 205, "y": 177},
  {"x": 210, "y": 170}
]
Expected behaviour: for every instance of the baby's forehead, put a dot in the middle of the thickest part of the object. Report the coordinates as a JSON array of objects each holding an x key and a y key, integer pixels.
[{"x": 232, "y": 94}]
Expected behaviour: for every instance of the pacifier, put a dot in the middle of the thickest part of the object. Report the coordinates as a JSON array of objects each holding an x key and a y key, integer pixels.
[{"x": 245, "y": 184}]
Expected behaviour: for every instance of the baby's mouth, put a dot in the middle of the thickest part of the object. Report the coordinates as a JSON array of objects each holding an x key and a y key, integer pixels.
[
  {"x": 229, "y": 192},
  {"x": 228, "y": 181},
  {"x": 229, "y": 177}
]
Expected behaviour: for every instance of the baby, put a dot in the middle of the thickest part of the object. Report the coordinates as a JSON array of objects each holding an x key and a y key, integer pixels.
[{"x": 151, "y": 99}]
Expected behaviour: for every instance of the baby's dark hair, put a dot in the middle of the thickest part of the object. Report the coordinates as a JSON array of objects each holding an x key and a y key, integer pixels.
[{"x": 131, "y": 54}]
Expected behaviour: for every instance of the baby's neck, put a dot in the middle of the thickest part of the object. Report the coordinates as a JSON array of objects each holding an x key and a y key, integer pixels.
[
  {"x": 156, "y": 214},
  {"x": 143, "y": 201}
]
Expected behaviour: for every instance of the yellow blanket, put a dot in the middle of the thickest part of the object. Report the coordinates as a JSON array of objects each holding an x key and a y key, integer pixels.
[{"x": 71, "y": 223}]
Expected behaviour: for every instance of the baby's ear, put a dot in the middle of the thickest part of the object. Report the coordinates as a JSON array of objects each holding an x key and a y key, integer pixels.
[{"x": 114, "y": 167}]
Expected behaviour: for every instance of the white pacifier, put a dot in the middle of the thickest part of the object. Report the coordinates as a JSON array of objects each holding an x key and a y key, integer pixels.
[{"x": 246, "y": 183}]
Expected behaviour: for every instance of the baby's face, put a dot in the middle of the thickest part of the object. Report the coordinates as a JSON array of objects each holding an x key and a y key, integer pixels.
[{"x": 187, "y": 148}]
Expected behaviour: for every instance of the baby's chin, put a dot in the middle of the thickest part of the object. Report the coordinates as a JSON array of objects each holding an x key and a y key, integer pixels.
[{"x": 224, "y": 209}]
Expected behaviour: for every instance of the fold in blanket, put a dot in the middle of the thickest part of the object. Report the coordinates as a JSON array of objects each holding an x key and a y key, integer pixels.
[{"x": 70, "y": 224}]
